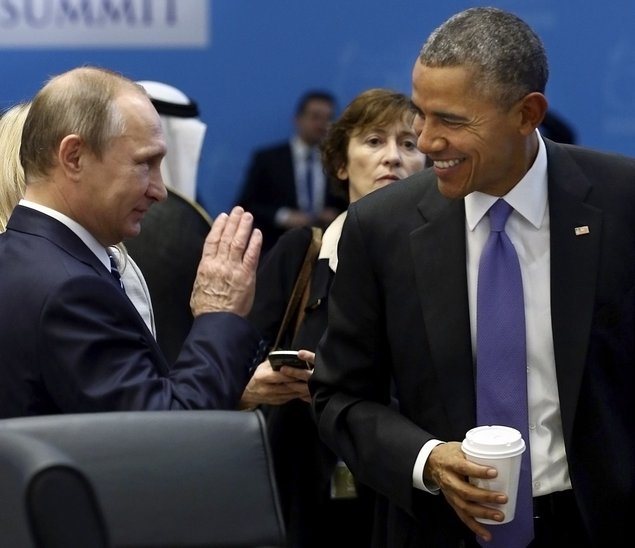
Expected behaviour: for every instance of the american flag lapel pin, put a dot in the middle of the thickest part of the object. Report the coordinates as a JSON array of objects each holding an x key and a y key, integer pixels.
[{"x": 581, "y": 230}]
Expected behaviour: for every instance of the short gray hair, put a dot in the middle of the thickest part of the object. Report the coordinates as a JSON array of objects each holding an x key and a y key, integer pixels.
[{"x": 508, "y": 58}]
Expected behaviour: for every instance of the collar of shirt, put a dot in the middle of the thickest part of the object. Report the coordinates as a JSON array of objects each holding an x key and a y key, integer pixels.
[
  {"x": 77, "y": 229},
  {"x": 528, "y": 197},
  {"x": 331, "y": 238},
  {"x": 299, "y": 149}
]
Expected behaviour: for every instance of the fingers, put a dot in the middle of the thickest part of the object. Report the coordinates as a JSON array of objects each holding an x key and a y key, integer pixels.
[
  {"x": 230, "y": 235},
  {"x": 299, "y": 374},
  {"x": 252, "y": 254},
  {"x": 252, "y": 397},
  {"x": 226, "y": 276},
  {"x": 471, "y": 499},
  {"x": 301, "y": 388},
  {"x": 307, "y": 356},
  {"x": 286, "y": 375},
  {"x": 212, "y": 241},
  {"x": 450, "y": 470},
  {"x": 229, "y": 231},
  {"x": 237, "y": 236},
  {"x": 477, "y": 528},
  {"x": 270, "y": 387}
]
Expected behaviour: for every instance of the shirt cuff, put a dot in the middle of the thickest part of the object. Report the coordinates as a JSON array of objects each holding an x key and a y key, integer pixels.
[{"x": 417, "y": 473}]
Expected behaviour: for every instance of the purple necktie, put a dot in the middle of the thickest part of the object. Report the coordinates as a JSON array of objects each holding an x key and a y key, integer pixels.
[{"x": 501, "y": 362}]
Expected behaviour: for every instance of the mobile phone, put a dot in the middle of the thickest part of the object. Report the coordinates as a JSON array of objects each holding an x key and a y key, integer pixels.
[{"x": 278, "y": 358}]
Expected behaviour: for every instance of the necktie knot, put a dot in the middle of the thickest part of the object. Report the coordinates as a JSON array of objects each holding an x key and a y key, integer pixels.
[{"x": 498, "y": 215}]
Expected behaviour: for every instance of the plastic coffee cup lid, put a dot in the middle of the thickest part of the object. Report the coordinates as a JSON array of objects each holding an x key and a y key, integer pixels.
[{"x": 493, "y": 441}]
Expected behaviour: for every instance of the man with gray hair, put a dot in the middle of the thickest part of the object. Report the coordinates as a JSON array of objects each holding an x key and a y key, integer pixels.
[
  {"x": 70, "y": 339},
  {"x": 498, "y": 290}
]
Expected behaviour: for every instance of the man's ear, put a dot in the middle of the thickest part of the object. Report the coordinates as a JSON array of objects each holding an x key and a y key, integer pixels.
[
  {"x": 70, "y": 153},
  {"x": 532, "y": 108}
]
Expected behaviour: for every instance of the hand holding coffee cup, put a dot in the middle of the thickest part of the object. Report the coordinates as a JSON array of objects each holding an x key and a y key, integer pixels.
[{"x": 500, "y": 447}]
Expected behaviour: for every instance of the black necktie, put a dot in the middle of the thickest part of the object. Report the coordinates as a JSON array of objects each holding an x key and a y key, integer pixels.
[{"x": 114, "y": 270}]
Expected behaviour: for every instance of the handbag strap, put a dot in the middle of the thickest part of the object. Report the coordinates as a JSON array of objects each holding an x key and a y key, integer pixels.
[{"x": 301, "y": 288}]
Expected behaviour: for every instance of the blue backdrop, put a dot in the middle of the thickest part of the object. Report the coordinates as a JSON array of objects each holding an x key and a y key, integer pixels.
[{"x": 260, "y": 55}]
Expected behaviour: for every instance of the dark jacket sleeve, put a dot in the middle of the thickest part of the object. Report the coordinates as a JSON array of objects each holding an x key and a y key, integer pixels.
[
  {"x": 97, "y": 357},
  {"x": 351, "y": 383}
]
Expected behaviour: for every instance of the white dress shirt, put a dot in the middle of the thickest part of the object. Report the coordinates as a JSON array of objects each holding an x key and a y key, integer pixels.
[
  {"x": 300, "y": 152},
  {"x": 528, "y": 229},
  {"x": 299, "y": 156}
]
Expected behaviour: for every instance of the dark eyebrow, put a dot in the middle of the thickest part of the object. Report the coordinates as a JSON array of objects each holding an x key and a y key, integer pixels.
[
  {"x": 440, "y": 114},
  {"x": 450, "y": 117}
]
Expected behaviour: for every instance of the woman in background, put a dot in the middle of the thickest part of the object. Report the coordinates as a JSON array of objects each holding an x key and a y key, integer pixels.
[{"x": 371, "y": 145}]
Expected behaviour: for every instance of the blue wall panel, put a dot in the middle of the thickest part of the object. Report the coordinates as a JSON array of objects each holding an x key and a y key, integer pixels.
[{"x": 262, "y": 54}]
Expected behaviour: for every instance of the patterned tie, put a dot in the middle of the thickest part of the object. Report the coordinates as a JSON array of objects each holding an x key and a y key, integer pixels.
[
  {"x": 308, "y": 179},
  {"x": 501, "y": 363},
  {"x": 114, "y": 270}
]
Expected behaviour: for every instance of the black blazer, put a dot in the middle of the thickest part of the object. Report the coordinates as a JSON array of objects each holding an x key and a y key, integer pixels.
[
  {"x": 399, "y": 310},
  {"x": 71, "y": 341},
  {"x": 270, "y": 185}
]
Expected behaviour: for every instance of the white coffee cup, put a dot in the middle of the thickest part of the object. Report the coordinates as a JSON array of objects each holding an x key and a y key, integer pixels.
[{"x": 500, "y": 447}]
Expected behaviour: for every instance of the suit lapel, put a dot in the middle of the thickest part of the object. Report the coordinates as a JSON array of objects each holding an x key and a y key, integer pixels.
[
  {"x": 574, "y": 266},
  {"x": 31, "y": 221},
  {"x": 438, "y": 249}
]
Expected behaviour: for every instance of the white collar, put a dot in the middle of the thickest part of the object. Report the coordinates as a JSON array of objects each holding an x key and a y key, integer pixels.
[
  {"x": 528, "y": 197},
  {"x": 330, "y": 239},
  {"x": 299, "y": 148},
  {"x": 83, "y": 234}
]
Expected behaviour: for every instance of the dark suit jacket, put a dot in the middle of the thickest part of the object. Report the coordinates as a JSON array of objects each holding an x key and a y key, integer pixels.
[
  {"x": 270, "y": 185},
  {"x": 71, "y": 341},
  {"x": 399, "y": 309}
]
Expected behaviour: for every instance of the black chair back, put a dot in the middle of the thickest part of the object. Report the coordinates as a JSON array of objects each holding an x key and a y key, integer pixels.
[{"x": 141, "y": 479}]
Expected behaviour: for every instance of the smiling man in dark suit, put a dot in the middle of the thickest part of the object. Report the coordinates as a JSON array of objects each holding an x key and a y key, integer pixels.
[
  {"x": 70, "y": 339},
  {"x": 403, "y": 311}
]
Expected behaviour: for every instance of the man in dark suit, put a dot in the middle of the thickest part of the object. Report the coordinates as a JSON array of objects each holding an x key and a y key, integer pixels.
[
  {"x": 285, "y": 185},
  {"x": 70, "y": 339},
  {"x": 403, "y": 309}
]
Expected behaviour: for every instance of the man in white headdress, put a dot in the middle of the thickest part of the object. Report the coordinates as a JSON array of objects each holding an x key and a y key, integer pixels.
[{"x": 184, "y": 133}]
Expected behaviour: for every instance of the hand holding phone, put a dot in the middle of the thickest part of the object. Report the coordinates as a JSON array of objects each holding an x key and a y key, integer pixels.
[{"x": 278, "y": 358}]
